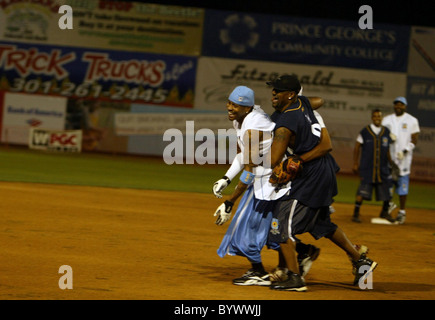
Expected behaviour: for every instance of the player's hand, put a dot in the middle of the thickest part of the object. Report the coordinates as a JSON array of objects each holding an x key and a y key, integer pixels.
[
  {"x": 355, "y": 169},
  {"x": 395, "y": 172},
  {"x": 223, "y": 212},
  {"x": 279, "y": 176},
  {"x": 400, "y": 155},
  {"x": 286, "y": 170},
  {"x": 293, "y": 166},
  {"x": 220, "y": 185}
]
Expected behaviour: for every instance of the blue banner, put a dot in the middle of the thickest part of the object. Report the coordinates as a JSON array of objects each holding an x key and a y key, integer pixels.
[
  {"x": 305, "y": 41},
  {"x": 98, "y": 74},
  {"x": 421, "y": 100}
]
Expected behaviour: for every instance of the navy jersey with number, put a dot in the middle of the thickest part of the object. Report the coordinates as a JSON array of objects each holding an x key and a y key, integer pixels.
[
  {"x": 300, "y": 119},
  {"x": 316, "y": 185}
]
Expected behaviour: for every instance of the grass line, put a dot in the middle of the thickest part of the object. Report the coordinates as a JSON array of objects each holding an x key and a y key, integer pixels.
[{"x": 118, "y": 171}]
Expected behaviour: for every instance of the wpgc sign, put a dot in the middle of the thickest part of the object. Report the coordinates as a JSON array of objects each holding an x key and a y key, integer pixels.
[{"x": 55, "y": 140}]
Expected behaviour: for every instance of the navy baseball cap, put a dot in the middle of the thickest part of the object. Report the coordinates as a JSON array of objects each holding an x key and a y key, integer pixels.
[
  {"x": 401, "y": 99},
  {"x": 243, "y": 96},
  {"x": 285, "y": 83}
]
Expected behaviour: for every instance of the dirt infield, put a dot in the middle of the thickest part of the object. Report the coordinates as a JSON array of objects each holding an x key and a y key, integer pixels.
[{"x": 154, "y": 245}]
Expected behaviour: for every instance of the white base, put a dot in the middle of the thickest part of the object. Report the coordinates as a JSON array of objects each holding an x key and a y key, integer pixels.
[{"x": 384, "y": 221}]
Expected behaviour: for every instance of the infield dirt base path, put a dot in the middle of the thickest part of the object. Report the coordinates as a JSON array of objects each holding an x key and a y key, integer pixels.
[{"x": 155, "y": 245}]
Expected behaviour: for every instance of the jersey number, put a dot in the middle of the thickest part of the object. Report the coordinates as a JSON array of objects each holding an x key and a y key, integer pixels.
[{"x": 316, "y": 129}]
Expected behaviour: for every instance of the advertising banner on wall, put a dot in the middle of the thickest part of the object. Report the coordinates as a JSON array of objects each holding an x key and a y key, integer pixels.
[
  {"x": 21, "y": 112},
  {"x": 421, "y": 100},
  {"x": 305, "y": 41},
  {"x": 152, "y": 130},
  {"x": 421, "y": 76},
  {"x": 97, "y": 74},
  {"x": 349, "y": 94},
  {"x": 55, "y": 140},
  {"x": 422, "y": 53},
  {"x": 132, "y": 26},
  {"x": 158, "y": 123}
]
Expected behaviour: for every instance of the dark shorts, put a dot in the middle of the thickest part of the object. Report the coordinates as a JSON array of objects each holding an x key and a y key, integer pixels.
[
  {"x": 290, "y": 218},
  {"x": 382, "y": 191}
]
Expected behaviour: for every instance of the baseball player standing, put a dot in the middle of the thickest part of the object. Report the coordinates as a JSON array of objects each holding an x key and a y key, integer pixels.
[
  {"x": 372, "y": 160},
  {"x": 405, "y": 130}
]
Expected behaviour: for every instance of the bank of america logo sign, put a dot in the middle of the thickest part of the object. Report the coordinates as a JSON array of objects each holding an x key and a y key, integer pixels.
[{"x": 239, "y": 33}]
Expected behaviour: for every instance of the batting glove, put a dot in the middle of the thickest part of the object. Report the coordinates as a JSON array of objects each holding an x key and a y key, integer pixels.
[
  {"x": 220, "y": 185},
  {"x": 223, "y": 212}
]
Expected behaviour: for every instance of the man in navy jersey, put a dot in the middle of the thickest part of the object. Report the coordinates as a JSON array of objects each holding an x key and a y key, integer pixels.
[
  {"x": 306, "y": 208},
  {"x": 372, "y": 161}
]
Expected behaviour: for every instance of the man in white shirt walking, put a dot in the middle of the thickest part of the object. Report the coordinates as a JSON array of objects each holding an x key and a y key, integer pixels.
[{"x": 405, "y": 130}]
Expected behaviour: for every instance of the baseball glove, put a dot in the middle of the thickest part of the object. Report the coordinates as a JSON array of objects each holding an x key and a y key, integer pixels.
[{"x": 286, "y": 171}]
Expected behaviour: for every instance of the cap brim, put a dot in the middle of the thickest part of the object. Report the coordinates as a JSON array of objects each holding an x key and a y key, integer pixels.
[
  {"x": 273, "y": 84},
  {"x": 400, "y": 102}
]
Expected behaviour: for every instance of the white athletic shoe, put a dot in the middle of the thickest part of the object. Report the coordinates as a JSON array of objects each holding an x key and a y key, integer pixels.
[
  {"x": 401, "y": 217},
  {"x": 391, "y": 207}
]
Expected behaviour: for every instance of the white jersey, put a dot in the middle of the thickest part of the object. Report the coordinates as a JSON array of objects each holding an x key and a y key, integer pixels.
[
  {"x": 258, "y": 120},
  {"x": 319, "y": 119},
  {"x": 401, "y": 128}
]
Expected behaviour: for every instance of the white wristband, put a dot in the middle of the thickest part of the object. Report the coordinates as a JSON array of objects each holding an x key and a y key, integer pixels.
[{"x": 410, "y": 147}]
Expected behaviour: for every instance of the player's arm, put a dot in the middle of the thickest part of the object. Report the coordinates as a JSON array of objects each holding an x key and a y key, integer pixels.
[
  {"x": 232, "y": 172},
  {"x": 414, "y": 138},
  {"x": 251, "y": 155},
  {"x": 324, "y": 147},
  {"x": 247, "y": 176},
  {"x": 280, "y": 143},
  {"x": 316, "y": 102},
  {"x": 356, "y": 157},
  {"x": 287, "y": 170},
  {"x": 411, "y": 145}
]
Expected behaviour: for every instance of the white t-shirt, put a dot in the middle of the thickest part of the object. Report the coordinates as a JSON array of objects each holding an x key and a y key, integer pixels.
[{"x": 401, "y": 128}]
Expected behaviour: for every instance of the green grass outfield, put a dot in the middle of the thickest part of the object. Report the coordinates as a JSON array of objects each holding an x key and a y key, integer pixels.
[{"x": 121, "y": 171}]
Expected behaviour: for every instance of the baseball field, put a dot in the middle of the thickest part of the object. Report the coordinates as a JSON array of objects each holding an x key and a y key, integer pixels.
[{"x": 135, "y": 228}]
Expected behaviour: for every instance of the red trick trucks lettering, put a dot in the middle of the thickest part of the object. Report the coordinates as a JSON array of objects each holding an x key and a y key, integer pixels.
[
  {"x": 140, "y": 72},
  {"x": 27, "y": 61}
]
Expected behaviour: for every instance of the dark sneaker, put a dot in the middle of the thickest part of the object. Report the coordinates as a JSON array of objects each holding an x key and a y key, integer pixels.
[
  {"x": 387, "y": 216},
  {"x": 355, "y": 218},
  {"x": 363, "y": 251},
  {"x": 253, "y": 278},
  {"x": 307, "y": 258},
  {"x": 363, "y": 268},
  {"x": 278, "y": 274},
  {"x": 293, "y": 283}
]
